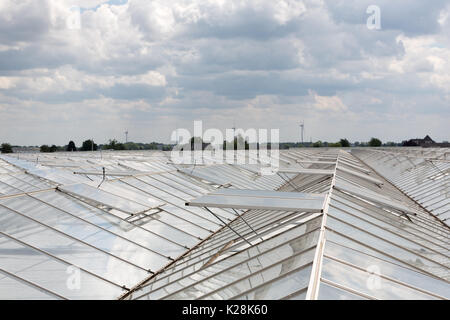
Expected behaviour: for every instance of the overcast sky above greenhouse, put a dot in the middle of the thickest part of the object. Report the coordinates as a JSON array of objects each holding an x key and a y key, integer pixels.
[{"x": 152, "y": 66}]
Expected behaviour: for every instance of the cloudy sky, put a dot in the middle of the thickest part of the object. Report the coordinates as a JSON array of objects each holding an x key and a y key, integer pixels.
[{"x": 150, "y": 66}]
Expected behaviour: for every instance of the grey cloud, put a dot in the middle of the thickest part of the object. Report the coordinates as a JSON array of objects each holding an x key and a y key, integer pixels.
[
  {"x": 35, "y": 56},
  {"x": 247, "y": 24},
  {"x": 135, "y": 92},
  {"x": 23, "y": 21}
]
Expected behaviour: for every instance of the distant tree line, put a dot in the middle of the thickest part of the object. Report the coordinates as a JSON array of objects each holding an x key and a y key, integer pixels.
[
  {"x": 113, "y": 144},
  {"x": 46, "y": 148},
  {"x": 238, "y": 143},
  {"x": 342, "y": 143}
]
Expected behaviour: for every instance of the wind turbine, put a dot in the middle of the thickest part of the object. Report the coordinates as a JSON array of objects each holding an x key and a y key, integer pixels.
[
  {"x": 234, "y": 129},
  {"x": 126, "y": 136},
  {"x": 302, "y": 128}
]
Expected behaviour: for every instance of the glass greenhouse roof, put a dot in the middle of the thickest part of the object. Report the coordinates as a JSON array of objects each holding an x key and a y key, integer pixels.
[{"x": 331, "y": 224}]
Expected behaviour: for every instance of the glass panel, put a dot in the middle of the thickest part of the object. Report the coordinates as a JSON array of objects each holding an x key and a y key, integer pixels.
[
  {"x": 57, "y": 176},
  {"x": 221, "y": 172},
  {"x": 183, "y": 214},
  {"x": 445, "y": 216},
  {"x": 372, "y": 196},
  {"x": 20, "y": 163},
  {"x": 103, "y": 219},
  {"x": 41, "y": 184},
  {"x": 273, "y": 230},
  {"x": 73, "y": 252},
  {"x": 281, "y": 287},
  {"x": 360, "y": 175},
  {"x": 303, "y": 235},
  {"x": 16, "y": 183},
  {"x": 368, "y": 283},
  {"x": 354, "y": 166},
  {"x": 293, "y": 281},
  {"x": 206, "y": 177},
  {"x": 185, "y": 180},
  {"x": 98, "y": 196},
  {"x": 398, "y": 226},
  {"x": 125, "y": 191},
  {"x": 165, "y": 187},
  {"x": 328, "y": 292},
  {"x": 7, "y": 189},
  {"x": 268, "y": 274},
  {"x": 389, "y": 248},
  {"x": 178, "y": 211},
  {"x": 51, "y": 274},
  {"x": 95, "y": 236},
  {"x": 14, "y": 289},
  {"x": 388, "y": 235},
  {"x": 176, "y": 185},
  {"x": 350, "y": 243},
  {"x": 168, "y": 231},
  {"x": 408, "y": 276},
  {"x": 184, "y": 225},
  {"x": 298, "y": 296},
  {"x": 231, "y": 269},
  {"x": 387, "y": 216}
]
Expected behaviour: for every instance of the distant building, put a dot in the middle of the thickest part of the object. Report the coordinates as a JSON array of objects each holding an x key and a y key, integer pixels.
[
  {"x": 426, "y": 142},
  {"x": 17, "y": 149}
]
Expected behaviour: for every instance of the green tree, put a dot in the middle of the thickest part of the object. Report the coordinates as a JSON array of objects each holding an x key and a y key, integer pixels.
[
  {"x": 374, "y": 142},
  {"x": 133, "y": 146},
  {"x": 317, "y": 144},
  {"x": 114, "y": 145},
  {"x": 71, "y": 146},
  {"x": 46, "y": 148},
  {"x": 344, "y": 143},
  {"x": 6, "y": 148},
  {"x": 88, "y": 145},
  {"x": 335, "y": 145}
]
